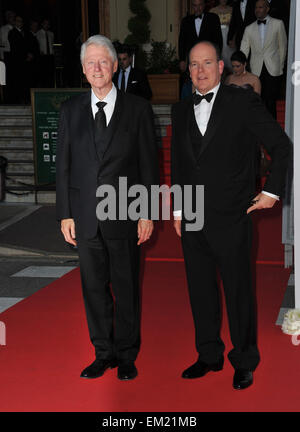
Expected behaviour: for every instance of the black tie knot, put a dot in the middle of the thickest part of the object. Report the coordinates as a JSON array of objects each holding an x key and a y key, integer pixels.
[
  {"x": 199, "y": 16},
  {"x": 259, "y": 22},
  {"x": 198, "y": 98},
  {"x": 101, "y": 105}
]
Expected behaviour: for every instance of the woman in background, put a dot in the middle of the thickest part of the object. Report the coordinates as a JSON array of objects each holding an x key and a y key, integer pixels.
[
  {"x": 224, "y": 11},
  {"x": 248, "y": 81},
  {"x": 240, "y": 76}
]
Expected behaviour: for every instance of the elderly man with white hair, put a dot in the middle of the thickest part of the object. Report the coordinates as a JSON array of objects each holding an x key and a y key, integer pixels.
[{"x": 106, "y": 134}]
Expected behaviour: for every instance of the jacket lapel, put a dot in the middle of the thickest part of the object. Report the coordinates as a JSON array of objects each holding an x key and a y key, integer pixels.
[
  {"x": 130, "y": 79},
  {"x": 216, "y": 118},
  {"x": 113, "y": 124},
  {"x": 190, "y": 116},
  {"x": 269, "y": 32},
  {"x": 86, "y": 118}
]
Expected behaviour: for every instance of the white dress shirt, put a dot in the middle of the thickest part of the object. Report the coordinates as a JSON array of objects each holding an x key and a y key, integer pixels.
[
  {"x": 41, "y": 37},
  {"x": 127, "y": 72},
  {"x": 202, "y": 115},
  {"x": 243, "y": 6},
  {"x": 263, "y": 30},
  {"x": 110, "y": 100},
  {"x": 4, "y": 42},
  {"x": 198, "y": 23},
  {"x": 203, "y": 110}
]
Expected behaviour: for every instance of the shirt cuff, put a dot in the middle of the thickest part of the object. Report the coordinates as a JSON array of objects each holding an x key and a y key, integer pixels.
[
  {"x": 177, "y": 213},
  {"x": 271, "y": 195}
]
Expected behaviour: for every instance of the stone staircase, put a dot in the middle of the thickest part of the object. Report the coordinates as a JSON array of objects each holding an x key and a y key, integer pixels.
[{"x": 16, "y": 144}]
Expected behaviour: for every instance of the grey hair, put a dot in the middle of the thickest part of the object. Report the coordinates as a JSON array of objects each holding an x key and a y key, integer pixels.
[{"x": 101, "y": 41}]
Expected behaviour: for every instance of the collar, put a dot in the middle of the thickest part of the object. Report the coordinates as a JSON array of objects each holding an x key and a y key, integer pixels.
[
  {"x": 110, "y": 98},
  {"x": 267, "y": 18},
  {"x": 214, "y": 90}
]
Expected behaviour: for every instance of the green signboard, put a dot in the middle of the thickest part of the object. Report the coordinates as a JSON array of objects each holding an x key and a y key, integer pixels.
[{"x": 45, "y": 114}]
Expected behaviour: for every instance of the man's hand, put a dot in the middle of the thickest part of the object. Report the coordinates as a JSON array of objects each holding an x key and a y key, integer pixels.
[
  {"x": 182, "y": 66},
  {"x": 68, "y": 229},
  {"x": 262, "y": 201},
  {"x": 145, "y": 229},
  {"x": 177, "y": 225}
]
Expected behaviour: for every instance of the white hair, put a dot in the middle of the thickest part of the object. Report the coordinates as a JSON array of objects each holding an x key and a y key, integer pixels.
[{"x": 101, "y": 41}]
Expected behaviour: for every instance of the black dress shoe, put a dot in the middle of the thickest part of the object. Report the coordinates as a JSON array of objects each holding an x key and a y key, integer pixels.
[
  {"x": 127, "y": 371},
  {"x": 97, "y": 368},
  {"x": 199, "y": 369},
  {"x": 242, "y": 379}
]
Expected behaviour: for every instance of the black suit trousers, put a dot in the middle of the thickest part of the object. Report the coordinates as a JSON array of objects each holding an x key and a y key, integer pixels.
[
  {"x": 229, "y": 251},
  {"x": 270, "y": 89},
  {"x": 109, "y": 271}
]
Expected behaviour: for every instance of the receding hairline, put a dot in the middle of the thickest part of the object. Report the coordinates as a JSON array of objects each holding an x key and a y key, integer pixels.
[{"x": 209, "y": 44}]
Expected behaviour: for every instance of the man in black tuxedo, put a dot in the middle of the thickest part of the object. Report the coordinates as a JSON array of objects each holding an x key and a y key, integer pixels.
[
  {"x": 104, "y": 135},
  {"x": 22, "y": 57},
  {"x": 129, "y": 79},
  {"x": 214, "y": 140},
  {"x": 198, "y": 27},
  {"x": 243, "y": 14}
]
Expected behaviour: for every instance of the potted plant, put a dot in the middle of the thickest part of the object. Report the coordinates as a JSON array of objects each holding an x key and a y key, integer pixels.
[{"x": 163, "y": 72}]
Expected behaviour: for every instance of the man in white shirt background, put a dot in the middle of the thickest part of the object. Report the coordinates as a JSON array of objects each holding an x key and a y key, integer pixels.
[
  {"x": 45, "y": 38},
  {"x": 5, "y": 53},
  {"x": 130, "y": 79},
  {"x": 266, "y": 41}
]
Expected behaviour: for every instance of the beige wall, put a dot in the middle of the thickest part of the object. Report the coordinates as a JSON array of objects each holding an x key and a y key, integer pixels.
[{"x": 163, "y": 24}]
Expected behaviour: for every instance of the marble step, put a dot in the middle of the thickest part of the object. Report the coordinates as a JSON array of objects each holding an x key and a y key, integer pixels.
[
  {"x": 18, "y": 180},
  {"x": 20, "y": 167},
  {"x": 15, "y": 110},
  {"x": 15, "y": 143},
  {"x": 17, "y": 154},
  {"x": 16, "y": 121},
  {"x": 16, "y": 131}
]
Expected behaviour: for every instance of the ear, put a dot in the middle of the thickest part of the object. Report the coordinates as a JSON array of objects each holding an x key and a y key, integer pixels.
[
  {"x": 83, "y": 69},
  {"x": 116, "y": 65},
  {"x": 221, "y": 66}
]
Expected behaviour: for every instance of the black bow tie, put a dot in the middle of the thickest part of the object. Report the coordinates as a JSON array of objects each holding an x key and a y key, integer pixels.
[
  {"x": 259, "y": 22},
  {"x": 198, "y": 98},
  {"x": 198, "y": 16}
]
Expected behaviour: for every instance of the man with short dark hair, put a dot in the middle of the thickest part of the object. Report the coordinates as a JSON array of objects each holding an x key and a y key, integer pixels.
[
  {"x": 198, "y": 27},
  {"x": 131, "y": 79},
  {"x": 214, "y": 140},
  {"x": 242, "y": 15},
  {"x": 22, "y": 55},
  {"x": 266, "y": 40}
]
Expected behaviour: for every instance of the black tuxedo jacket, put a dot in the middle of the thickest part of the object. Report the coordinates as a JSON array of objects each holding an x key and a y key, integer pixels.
[
  {"x": 226, "y": 161},
  {"x": 130, "y": 150},
  {"x": 137, "y": 84},
  {"x": 210, "y": 30},
  {"x": 20, "y": 45},
  {"x": 237, "y": 24}
]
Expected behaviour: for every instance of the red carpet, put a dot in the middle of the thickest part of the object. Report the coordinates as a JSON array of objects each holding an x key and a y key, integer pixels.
[{"x": 48, "y": 345}]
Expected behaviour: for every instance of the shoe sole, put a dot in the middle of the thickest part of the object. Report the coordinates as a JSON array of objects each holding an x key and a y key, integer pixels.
[
  {"x": 242, "y": 387},
  {"x": 127, "y": 379},
  {"x": 213, "y": 369},
  {"x": 99, "y": 375}
]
